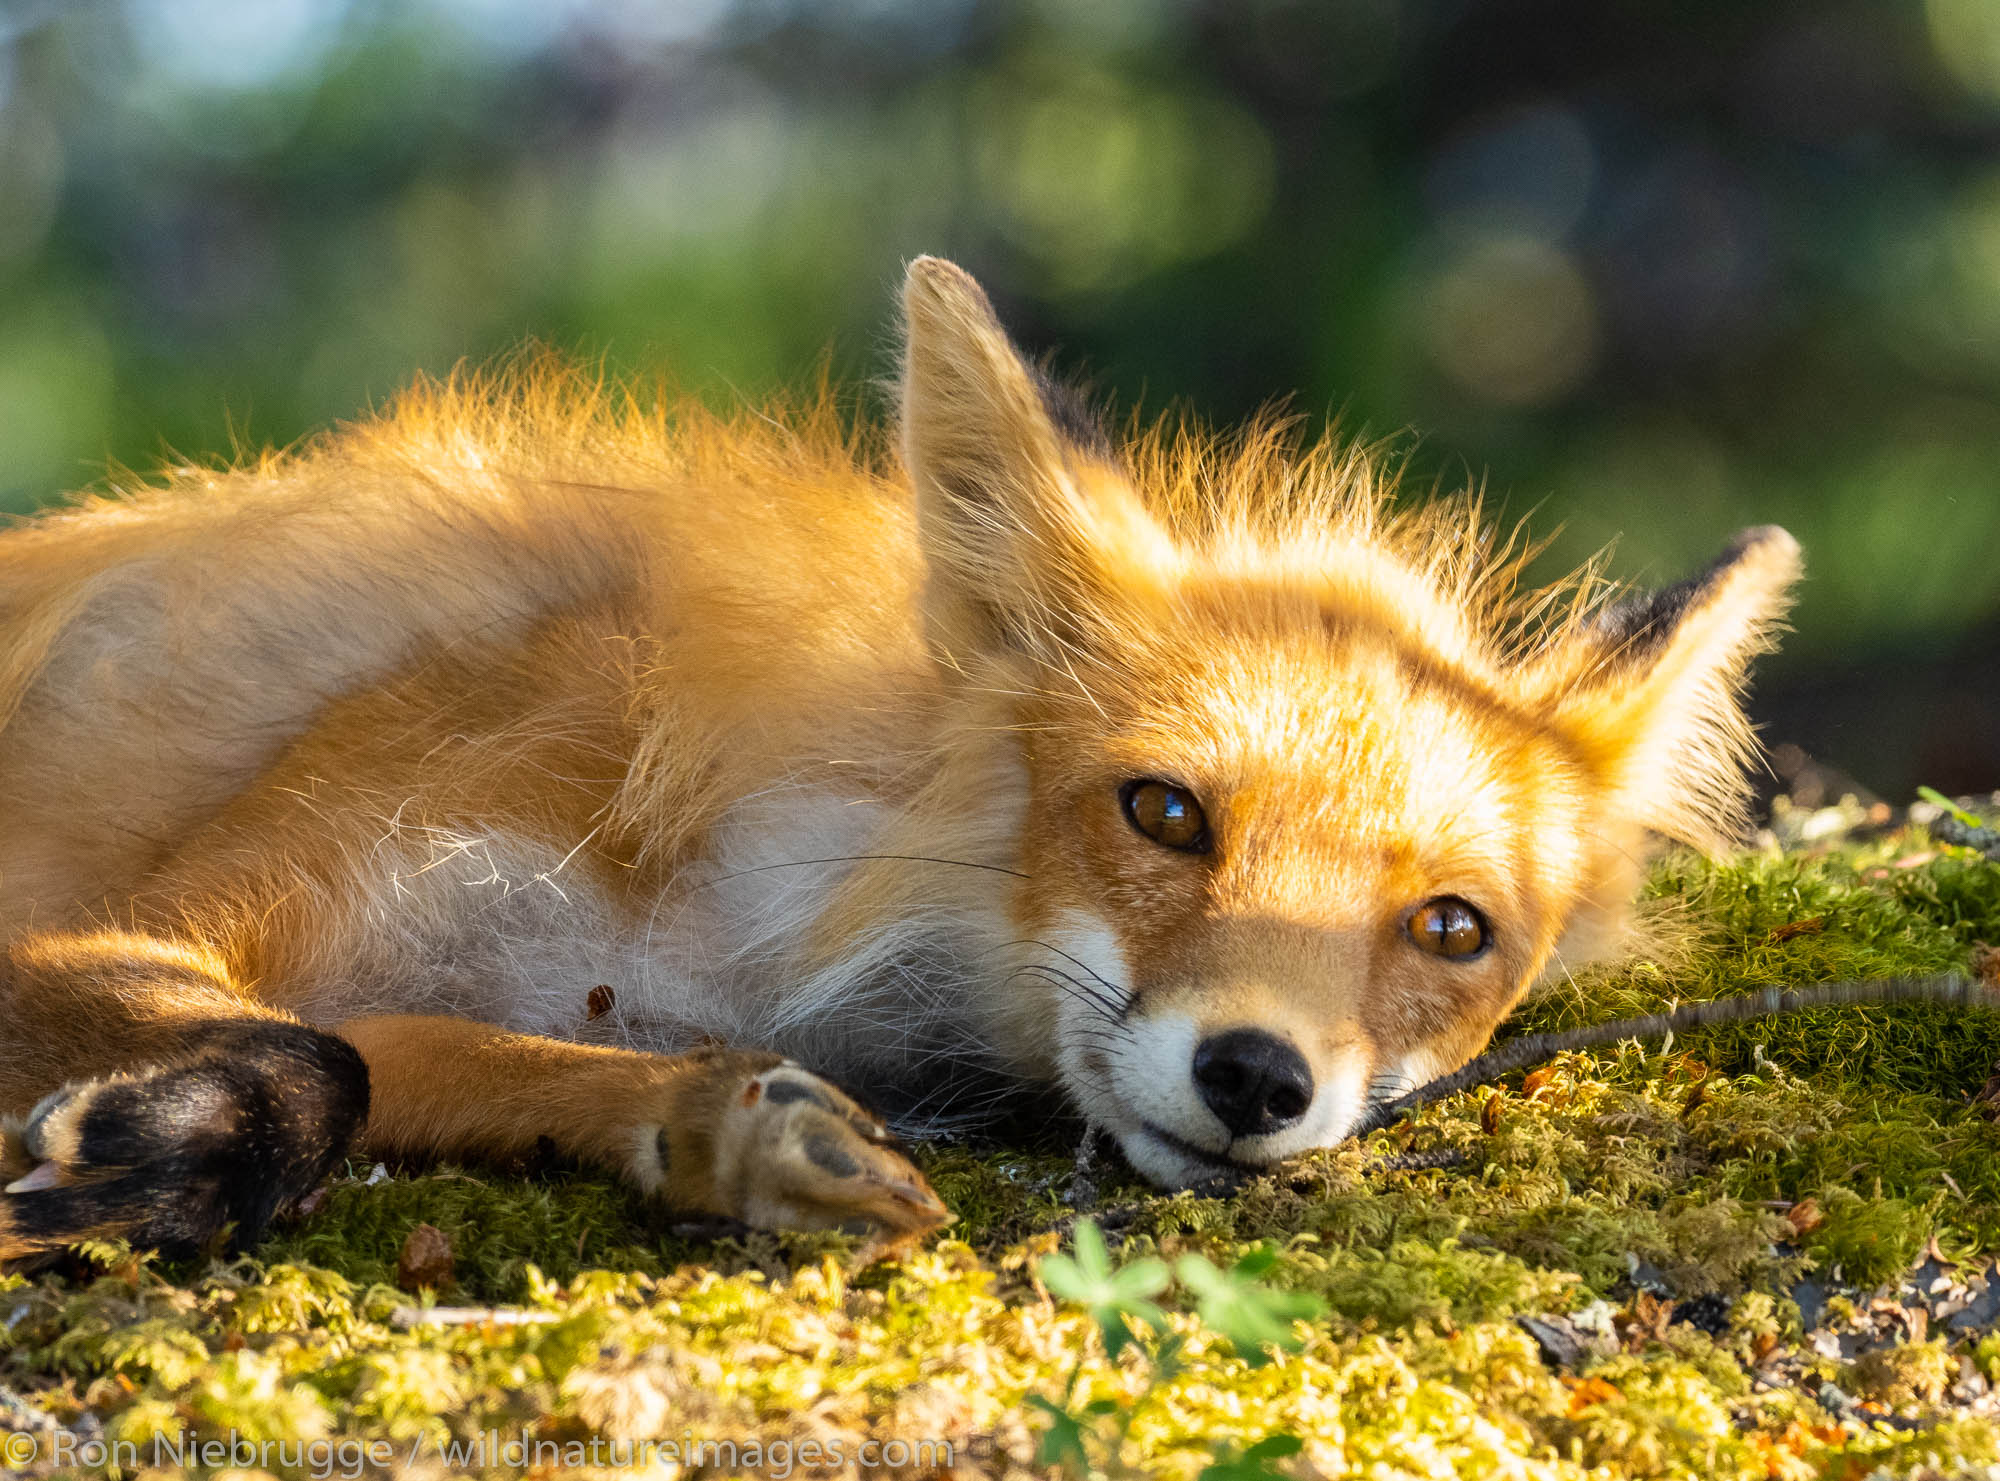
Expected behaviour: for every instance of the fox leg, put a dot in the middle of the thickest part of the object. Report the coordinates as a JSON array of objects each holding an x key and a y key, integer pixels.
[
  {"x": 742, "y": 1135},
  {"x": 167, "y": 1107}
]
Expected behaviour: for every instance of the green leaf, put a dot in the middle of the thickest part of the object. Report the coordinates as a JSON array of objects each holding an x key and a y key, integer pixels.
[
  {"x": 1254, "y": 1464},
  {"x": 1254, "y": 1317},
  {"x": 1275, "y": 1447},
  {"x": 1062, "y": 1441},
  {"x": 1114, "y": 1297},
  {"x": 1257, "y": 1263}
]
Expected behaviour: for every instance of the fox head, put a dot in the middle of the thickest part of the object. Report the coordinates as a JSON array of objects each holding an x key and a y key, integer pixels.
[{"x": 1311, "y": 794}]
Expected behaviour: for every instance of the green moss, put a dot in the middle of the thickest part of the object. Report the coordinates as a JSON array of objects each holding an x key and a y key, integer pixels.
[
  {"x": 1681, "y": 1164},
  {"x": 1902, "y": 1377},
  {"x": 1734, "y": 927},
  {"x": 498, "y": 1226},
  {"x": 1867, "y": 1240},
  {"x": 1665, "y": 1417}
]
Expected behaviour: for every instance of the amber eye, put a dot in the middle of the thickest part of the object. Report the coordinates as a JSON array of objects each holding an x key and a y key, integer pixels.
[
  {"x": 1166, "y": 814},
  {"x": 1449, "y": 927}
]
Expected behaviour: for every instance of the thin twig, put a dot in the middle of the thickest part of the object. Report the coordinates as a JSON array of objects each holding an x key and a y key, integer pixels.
[
  {"x": 1438, "y": 1159},
  {"x": 1952, "y": 990}
]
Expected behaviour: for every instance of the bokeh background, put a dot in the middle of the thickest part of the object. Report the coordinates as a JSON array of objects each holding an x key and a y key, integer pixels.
[{"x": 1652, "y": 270}]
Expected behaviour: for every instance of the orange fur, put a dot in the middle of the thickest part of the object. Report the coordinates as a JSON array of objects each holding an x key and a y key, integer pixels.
[{"x": 813, "y": 743}]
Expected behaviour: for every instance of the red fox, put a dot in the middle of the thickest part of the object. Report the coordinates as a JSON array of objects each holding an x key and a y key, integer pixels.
[{"x": 534, "y": 762}]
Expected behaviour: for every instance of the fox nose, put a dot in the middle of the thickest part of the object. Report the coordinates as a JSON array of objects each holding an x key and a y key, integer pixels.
[{"x": 1254, "y": 1081}]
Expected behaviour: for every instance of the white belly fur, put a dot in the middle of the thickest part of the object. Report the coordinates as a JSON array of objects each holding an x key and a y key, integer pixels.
[{"x": 501, "y": 928}]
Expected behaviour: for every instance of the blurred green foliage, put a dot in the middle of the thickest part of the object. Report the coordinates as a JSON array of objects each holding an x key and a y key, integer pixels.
[{"x": 1655, "y": 270}]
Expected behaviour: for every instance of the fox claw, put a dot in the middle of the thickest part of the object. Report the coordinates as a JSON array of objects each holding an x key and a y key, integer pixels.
[{"x": 48, "y": 1175}]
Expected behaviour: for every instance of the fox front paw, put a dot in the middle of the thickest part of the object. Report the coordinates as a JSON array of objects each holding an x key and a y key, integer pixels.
[
  {"x": 786, "y": 1150},
  {"x": 174, "y": 1156}
]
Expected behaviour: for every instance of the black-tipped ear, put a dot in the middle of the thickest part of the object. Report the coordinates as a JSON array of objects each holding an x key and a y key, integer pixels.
[
  {"x": 1016, "y": 520},
  {"x": 1650, "y": 689},
  {"x": 1637, "y": 626}
]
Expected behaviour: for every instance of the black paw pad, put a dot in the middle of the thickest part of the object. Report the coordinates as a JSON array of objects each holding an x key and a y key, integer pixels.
[
  {"x": 829, "y": 1156},
  {"x": 785, "y": 1092}
]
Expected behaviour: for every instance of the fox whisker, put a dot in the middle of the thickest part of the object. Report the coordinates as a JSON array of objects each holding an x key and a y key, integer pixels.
[
  {"x": 1121, "y": 996},
  {"x": 1104, "y": 1008},
  {"x": 1101, "y": 1028}
]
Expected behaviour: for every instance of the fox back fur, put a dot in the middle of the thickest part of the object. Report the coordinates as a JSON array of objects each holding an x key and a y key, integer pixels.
[{"x": 1186, "y": 775}]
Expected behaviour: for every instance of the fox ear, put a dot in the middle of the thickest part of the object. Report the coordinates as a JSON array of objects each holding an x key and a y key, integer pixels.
[
  {"x": 1021, "y": 523},
  {"x": 1650, "y": 689}
]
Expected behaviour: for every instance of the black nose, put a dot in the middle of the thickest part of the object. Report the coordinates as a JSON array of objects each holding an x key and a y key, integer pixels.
[{"x": 1254, "y": 1081}]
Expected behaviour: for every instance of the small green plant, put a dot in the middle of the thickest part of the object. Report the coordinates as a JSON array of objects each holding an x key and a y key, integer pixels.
[
  {"x": 1253, "y": 1463},
  {"x": 1937, "y": 799},
  {"x": 1252, "y": 1316},
  {"x": 1112, "y": 1295},
  {"x": 1255, "y": 1317}
]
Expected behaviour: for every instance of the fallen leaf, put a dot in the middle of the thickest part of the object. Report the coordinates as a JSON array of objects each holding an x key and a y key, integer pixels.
[
  {"x": 599, "y": 1002},
  {"x": 1805, "y": 1216},
  {"x": 1584, "y": 1392},
  {"x": 1650, "y": 1313},
  {"x": 1537, "y": 1081},
  {"x": 1489, "y": 1114},
  {"x": 426, "y": 1262},
  {"x": 1793, "y": 1441},
  {"x": 1790, "y": 929}
]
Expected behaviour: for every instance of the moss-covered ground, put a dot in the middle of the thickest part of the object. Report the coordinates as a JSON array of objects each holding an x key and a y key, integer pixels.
[{"x": 1716, "y": 1241}]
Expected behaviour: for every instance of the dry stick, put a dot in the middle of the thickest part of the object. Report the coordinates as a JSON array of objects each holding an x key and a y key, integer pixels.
[
  {"x": 469, "y": 1316},
  {"x": 1517, "y": 1054}
]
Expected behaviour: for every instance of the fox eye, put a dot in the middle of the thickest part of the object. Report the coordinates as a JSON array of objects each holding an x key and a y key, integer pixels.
[
  {"x": 1448, "y": 927},
  {"x": 1166, "y": 814}
]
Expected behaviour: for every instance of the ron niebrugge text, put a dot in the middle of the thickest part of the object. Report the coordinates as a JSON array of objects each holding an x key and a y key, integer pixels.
[{"x": 349, "y": 1460}]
